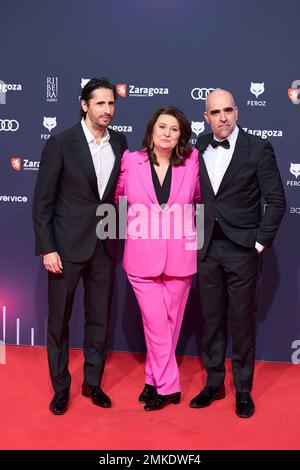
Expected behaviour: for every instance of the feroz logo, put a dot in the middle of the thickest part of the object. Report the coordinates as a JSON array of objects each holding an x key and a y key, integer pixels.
[
  {"x": 295, "y": 170},
  {"x": 197, "y": 127},
  {"x": 52, "y": 89},
  {"x": 84, "y": 81},
  {"x": 257, "y": 89},
  {"x": 201, "y": 93},
  {"x": 16, "y": 163},
  {"x": 294, "y": 92},
  {"x": 121, "y": 89},
  {"x": 50, "y": 123},
  {"x": 7, "y": 125}
]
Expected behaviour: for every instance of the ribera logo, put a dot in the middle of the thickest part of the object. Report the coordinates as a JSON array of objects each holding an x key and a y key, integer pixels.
[
  {"x": 50, "y": 123},
  {"x": 52, "y": 89},
  {"x": 257, "y": 89},
  {"x": 264, "y": 133},
  {"x": 295, "y": 171},
  {"x": 13, "y": 198},
  {"x": 294, "y": 92},
  {"x": 139, "y": 92},
  {"x": 121, "y": 128},
  {"x": 18, "y": 164}
]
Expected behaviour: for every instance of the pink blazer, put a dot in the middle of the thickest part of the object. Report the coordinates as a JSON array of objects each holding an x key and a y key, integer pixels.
[{"x": 159, "y": 241}]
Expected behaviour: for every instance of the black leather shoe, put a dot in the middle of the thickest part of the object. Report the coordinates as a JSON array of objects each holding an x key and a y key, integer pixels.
[
  {"x": 207, "y": 396},
  {"x": 244, "y": 405},
  {"x": 60, "y": 401},
  {"x": 160, "y": 401},
  {"x": 97, "y": 395},
  {"x": 148, "y": 393}
]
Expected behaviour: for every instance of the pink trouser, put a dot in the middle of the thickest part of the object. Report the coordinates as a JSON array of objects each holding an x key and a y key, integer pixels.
[{"x": 162, "y": 301}]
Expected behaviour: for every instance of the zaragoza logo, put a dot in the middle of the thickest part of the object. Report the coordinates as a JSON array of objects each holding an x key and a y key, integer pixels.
[
  {"x": 121, "y": 89},
  {"x": 16, "y": 163}
]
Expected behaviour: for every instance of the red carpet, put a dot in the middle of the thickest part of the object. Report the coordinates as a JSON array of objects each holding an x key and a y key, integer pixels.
[{"x": 26, "y": 422}]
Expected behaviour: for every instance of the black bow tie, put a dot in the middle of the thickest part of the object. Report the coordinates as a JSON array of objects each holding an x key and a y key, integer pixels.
[{"x": 224, "y": 143}]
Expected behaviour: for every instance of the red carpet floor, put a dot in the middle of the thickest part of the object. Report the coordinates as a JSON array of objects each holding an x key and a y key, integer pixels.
[{"x": 26, "y": 422}]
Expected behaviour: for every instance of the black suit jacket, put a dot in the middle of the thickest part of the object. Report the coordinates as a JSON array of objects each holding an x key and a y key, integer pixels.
[
  {"x": 66, "y": 196},
  {"x": 251, "y": 174}
]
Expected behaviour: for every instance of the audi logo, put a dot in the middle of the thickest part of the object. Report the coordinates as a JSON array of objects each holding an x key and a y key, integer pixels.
[
  {"x": 7, "y": 125},
  {"x": 201, "y": 93}
]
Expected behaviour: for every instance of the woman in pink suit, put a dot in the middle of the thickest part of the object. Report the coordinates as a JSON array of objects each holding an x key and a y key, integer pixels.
[{"x": 161, "y": 185}]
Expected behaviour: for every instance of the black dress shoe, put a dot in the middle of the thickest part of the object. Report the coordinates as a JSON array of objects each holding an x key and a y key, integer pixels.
[
  {"x": 97, "y": 395},
  {"x": 148, "y": 393},
  {"x": 160, "y": 401},
  {"x": 244, "y": 405},
  {"x": 207, "y": 396},
  {"x": 59, "y": 403}
]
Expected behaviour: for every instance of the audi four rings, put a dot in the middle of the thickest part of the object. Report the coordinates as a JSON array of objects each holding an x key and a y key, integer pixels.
[
  {"x": 201, "y": 93},
  {"x": 9, "y": 125}
]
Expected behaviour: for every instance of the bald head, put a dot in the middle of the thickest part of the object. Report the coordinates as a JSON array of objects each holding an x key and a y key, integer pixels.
[
  {"x": 216, "y": 95},
  {"x": 221, "y": 113}
]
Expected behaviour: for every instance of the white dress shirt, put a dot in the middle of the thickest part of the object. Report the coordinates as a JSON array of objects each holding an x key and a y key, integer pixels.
[
  {"x": 102, "y": 155},
  {"x": 217, "y": 161}
]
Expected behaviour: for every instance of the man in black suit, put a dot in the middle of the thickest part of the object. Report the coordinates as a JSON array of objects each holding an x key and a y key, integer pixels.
[
  {"x": 236, "y": 171},
  {"x": 78, "y": 172}
]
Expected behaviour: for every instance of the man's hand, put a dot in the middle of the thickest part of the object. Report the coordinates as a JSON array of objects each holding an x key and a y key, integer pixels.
[{"x": 52, "y": 263}]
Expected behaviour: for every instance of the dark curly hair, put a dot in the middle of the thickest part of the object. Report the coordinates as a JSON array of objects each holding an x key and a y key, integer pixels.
[{"x": 183, "y": 150}]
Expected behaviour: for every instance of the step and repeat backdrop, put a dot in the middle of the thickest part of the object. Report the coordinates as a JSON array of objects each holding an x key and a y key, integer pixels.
[{"x": 157, "y": 52}]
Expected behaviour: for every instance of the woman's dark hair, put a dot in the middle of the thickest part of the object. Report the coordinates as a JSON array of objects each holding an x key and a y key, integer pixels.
[
  {"x": 92, "y": 85},
  {"x": 182, "y": 151}
]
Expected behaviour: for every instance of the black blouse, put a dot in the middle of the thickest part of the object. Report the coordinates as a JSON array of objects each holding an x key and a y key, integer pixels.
[{"x": 162, "y": 191}]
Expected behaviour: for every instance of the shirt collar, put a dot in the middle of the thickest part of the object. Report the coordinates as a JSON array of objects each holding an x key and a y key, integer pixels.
[{"x": 90, "y": 137}]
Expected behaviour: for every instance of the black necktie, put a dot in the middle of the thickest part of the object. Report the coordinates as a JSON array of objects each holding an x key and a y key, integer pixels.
[{"x": 224, "y": 143}]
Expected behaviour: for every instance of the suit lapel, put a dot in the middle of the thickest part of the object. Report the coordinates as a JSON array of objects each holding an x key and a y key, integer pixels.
[
  {"x": 178, "y": 173},
  {"x": 239, "y": 157},
  {"x": 82, "y": 152},
  {"x": 144, "y": 171},
  {"x": 204, "y": 178}
]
